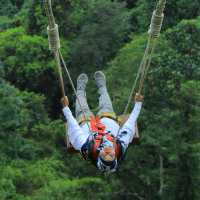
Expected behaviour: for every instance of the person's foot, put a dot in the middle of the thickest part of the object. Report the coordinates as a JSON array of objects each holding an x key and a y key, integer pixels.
[
  {"x": 82, "y": 81},
  {"x": 100, "y": 79}
]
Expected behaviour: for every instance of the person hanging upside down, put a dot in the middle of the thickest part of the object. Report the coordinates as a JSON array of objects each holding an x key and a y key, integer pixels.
[{"x": 100, "y": 139}]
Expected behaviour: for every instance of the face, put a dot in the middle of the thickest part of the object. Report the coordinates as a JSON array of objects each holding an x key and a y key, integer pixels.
[{"x": 107, "y": 154}]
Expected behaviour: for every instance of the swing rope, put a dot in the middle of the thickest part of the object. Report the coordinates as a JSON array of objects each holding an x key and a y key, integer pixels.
[
  {"x": 54, "y": 46},
  {"x": 154, "y": 33}
]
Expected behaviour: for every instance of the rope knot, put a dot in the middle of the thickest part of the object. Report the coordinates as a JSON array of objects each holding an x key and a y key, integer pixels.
[
  {"x": 53, "y": 37},
  {"x": 156, "y": 24}
]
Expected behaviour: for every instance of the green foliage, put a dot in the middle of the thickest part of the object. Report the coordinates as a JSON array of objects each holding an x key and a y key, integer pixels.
[
  {"x": 128, "y": 59},
  {"x": 17, "y": 60},
  {"x": 29, "y": 59},
  {"x": 5, "y": 22},
  {"x": 188, "y": 153},
  {"x": 2, "y": 74},
  {"x": 174, "y": 13},
  {"x": 76, "y": 189},
  {"x": 34, "y": 163},
  {"x": 15, "y": 106},
  {"x": 7, "y": 8},
  {"x": 69, "y": 15},
  {"x": 170, "y": 119},
  {"x": 20, "y": 111},
  {"x": 104, "y": 30},
  {"x": 9, "y": 13},
  {"x": 36, "y": 22}
]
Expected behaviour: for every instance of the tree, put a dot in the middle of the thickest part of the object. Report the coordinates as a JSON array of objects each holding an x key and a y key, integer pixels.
[
  {"x": 30, "y": 60},
  {"x": 104, "y": 30},
  {"x": 175, "y": 12},
  {"x": 170, "y": 116},
  {"x": 8, "y": 8}
]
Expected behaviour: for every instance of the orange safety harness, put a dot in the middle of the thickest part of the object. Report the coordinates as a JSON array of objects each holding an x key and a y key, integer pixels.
[{"x": 99, "y": 132}]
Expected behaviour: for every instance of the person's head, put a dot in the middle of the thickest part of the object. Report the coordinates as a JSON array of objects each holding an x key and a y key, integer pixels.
[{"x": 107, "y": 161}]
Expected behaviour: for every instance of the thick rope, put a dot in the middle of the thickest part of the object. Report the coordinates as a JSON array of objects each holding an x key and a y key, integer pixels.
[
  {"x": 147, "y": 64},
  {"x": 53, "y": 37},
  {"x": 156, "y": 25},
  {"x": 54, "y": 41},
  {"x": 54, "y": 46},
  {"x": 49, "y": 13},
  {"x": 132, "y": 90},
  {"x": 72, "y": 84},
  {"x": 56, "y": 56},
  {"x": 154, "y": 32}
]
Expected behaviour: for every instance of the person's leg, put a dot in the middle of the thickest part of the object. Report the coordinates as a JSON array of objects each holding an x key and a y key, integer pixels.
[
  {"x": 82, "y": 109},
  {"x": 105, "y": 104}
]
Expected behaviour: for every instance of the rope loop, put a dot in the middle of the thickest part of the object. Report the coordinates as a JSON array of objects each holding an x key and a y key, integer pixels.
[
  {"x": 54, "y": 39},
  {"x": 156, "y": 24}
]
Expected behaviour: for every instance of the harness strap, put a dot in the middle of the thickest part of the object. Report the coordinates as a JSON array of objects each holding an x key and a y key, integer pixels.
[
  {"x": 110, "y": 115},
  {"x": 99, "y": 131},
  {"x": 97, "y": 126},
  {"x": 95, "y": 144}
]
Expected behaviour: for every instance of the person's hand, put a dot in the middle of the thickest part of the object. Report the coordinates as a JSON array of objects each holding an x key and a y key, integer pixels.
[
  {"x": 65, "y": 101},
  {"x": 139, "y": 97}
]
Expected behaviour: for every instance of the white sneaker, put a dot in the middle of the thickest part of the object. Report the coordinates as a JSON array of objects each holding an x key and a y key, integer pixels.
[
  {"x": 100, "y": 79},
  {"x": 82, "y": 81}
]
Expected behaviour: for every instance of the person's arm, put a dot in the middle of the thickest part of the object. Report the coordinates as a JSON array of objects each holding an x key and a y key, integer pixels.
[
  {"x": 127, "y": 131},
  {"x": 76, "y": 135}
]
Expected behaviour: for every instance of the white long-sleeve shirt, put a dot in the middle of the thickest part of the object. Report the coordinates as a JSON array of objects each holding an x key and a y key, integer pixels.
[{"x": 78, "y": 135}]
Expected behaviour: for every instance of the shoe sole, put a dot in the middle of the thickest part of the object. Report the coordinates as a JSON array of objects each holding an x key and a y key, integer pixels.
[
  {"x": 101, "y": 74},
  {"x": 82, "y": 78}
]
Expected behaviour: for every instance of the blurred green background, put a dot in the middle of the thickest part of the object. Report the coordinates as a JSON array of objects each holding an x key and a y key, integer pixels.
[{"x": 110, "y": 36}]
